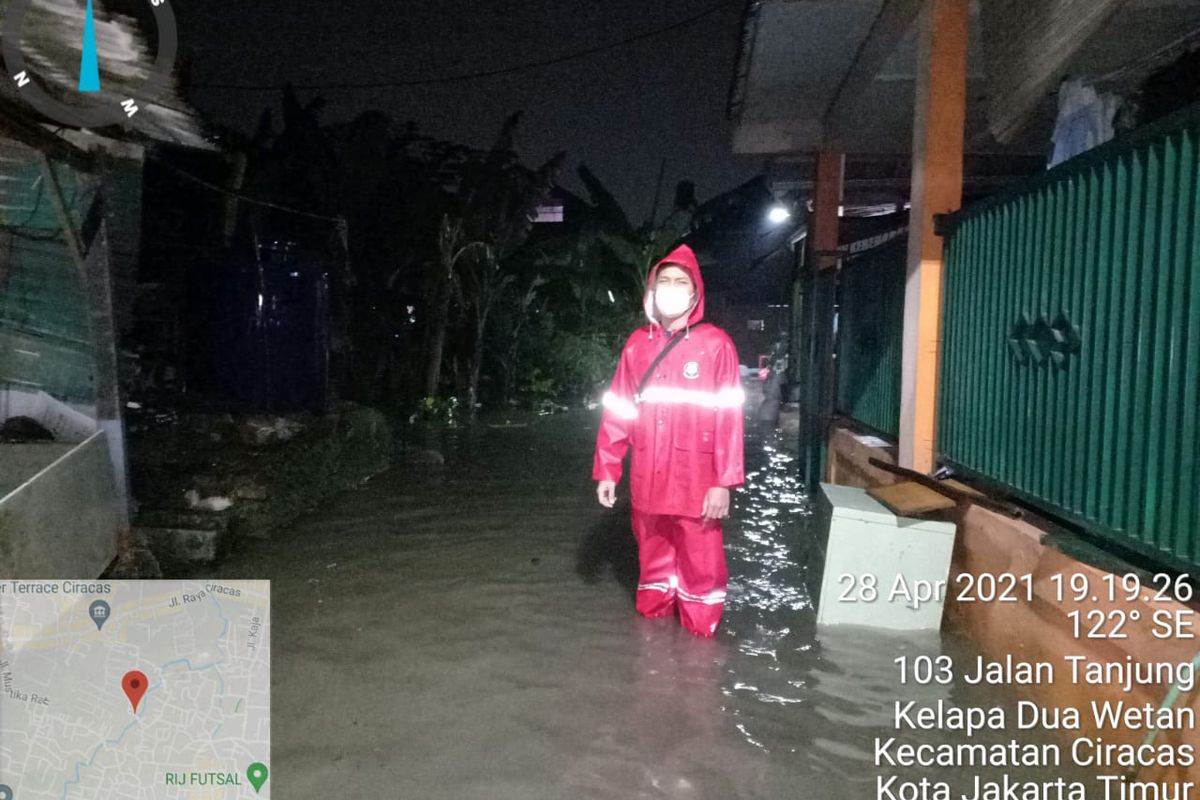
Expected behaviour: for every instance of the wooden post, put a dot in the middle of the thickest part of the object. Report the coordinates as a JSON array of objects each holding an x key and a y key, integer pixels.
[
  {"x": 237, "y": 181},
  {"x": 95, "y": 277},
  {"x": 822, "y": 251},
  {"x": 109, "y": 417},
  {"x": 827, "y": 198},
  {"x": 65, "y": 222},
  {"x": 939, "y": 117}
]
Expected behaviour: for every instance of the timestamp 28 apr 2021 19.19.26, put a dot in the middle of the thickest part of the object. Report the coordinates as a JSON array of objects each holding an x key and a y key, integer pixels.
[{"x": 1101, "y": 609}]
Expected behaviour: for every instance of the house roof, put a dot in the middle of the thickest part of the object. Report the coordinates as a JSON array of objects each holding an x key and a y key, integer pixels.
[
  {"x": 841, "y": 74},
  {"x": 51, "y": 42}
]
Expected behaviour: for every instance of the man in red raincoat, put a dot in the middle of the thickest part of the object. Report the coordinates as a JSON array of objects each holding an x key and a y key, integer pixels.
[{"x": 682, "y": 417}]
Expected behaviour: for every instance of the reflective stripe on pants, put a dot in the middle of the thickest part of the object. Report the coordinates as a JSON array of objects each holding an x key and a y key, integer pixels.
[{"x": 682, "y": 565}]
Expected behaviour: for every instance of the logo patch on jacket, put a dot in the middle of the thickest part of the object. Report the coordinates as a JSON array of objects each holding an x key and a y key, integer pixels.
[{"x": 691, "y": 370}]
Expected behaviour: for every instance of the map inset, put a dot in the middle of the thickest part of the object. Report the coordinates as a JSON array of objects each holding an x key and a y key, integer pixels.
[{"x": 135, "y": 690}]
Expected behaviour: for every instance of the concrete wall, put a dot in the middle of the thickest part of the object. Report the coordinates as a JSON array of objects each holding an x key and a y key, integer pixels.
[
  {"x": 62, "y": 519},
  {"x": 1040, "y": 630}
]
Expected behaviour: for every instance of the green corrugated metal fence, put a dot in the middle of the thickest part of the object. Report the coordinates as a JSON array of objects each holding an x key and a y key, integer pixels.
[
  {"x": 45, "y": 342},
  {"x": 818, "y": 399},
  {"x": 870, "y": 335},
  {"x": 1071, "y": 360}
]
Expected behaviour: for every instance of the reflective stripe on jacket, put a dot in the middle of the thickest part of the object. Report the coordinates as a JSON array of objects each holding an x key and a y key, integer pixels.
[{"x": 685, "y": 434}]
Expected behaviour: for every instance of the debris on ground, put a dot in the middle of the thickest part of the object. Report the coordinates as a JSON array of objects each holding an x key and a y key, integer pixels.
[
  {"x": 261, "y": 430},
  {"x": 215, "y": 503},
  {"x": 250, "y": 490},
  {"x": 203, "y": 480},
  {"x": 18, "y": 430},
  {"x": 428, "y": 457},
  {"x": 135, "y": 559}
]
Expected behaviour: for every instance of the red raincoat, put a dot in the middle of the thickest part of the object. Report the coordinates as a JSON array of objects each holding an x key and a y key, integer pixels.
[{"x": 685, "y": 432}]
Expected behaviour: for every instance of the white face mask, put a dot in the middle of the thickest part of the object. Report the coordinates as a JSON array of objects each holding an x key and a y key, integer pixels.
[{"x": 672, "y": 301}]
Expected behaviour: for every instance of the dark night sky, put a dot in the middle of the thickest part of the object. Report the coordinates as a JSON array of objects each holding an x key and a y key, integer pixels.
[{"x": 620, "y": 111}]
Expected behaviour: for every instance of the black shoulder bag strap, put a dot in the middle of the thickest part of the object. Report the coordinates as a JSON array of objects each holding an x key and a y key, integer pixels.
[{"x": 675, "y": 339}]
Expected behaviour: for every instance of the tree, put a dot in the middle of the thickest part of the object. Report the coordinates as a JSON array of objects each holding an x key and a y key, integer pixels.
[
  {"x": 605, "y": 252},
  {"x": 453, "y": 244},
  {"x": 499, "y": 198},
  {"x": 527, "y": 295},
  {"x": 443, "y": 253}
]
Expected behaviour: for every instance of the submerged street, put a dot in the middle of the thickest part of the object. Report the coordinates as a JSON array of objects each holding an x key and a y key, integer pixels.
[
  {"x": 467, "y": 631},
  {"x": 257, "y": 263}
]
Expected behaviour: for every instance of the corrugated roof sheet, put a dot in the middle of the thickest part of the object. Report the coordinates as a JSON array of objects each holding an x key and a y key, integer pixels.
[{"x": 52, "y": 44}]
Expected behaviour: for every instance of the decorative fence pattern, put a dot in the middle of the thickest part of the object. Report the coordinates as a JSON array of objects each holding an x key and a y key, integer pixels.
[{"x": 1071, "y": 360}]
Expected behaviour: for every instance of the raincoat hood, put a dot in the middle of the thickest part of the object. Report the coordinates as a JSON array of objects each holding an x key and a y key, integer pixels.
[{"x": 684, "y": 258}]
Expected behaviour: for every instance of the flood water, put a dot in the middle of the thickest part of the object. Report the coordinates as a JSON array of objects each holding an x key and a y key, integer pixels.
[{"x": 467, "y": 631}]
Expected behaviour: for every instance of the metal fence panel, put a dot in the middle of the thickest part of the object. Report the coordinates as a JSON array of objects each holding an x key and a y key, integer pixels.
[
  {"x": 870, "y": 338},
  {"x": 1071, "y": 358},
  {"x": 819, "y": 398}
]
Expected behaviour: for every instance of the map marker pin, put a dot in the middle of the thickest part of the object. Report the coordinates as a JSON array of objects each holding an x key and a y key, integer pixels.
[
  {"x": 98, "y": 611},
  {"x": 6, "y": 793},
  {"x": 134, "y": 683},
  {"x": 256, "y": 772}
]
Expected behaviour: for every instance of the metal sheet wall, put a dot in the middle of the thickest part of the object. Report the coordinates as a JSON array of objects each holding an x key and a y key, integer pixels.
[
  {"x": 45, "y": 340},
  {"x": 1071, "y": 363}
]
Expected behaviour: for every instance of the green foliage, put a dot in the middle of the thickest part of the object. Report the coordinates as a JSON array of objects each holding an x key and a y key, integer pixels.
[
  {"x": 565, "y": 366},
  {"x": 539, "y": 387},
  {"x": 580, "y": 361},
  {"x": 437, "y": 409}
]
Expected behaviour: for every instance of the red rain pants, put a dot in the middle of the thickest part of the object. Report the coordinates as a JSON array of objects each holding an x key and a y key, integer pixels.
[{"x": 682, "y": 562}]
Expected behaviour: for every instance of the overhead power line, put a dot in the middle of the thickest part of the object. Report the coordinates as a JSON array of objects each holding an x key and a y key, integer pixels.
[
  {"x": 243, "y": 197},
  {"x": 471, "y": 76}
]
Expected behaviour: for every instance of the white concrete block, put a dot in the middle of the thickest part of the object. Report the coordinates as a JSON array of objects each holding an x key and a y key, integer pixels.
[{"x": 882, "y": 570}]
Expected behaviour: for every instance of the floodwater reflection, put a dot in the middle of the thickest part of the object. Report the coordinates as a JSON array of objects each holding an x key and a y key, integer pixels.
[{"x": 475, "y": 637}]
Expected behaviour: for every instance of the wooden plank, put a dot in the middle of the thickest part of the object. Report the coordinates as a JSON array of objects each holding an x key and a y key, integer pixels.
[
  {"x": 910, "y": 498},
  {"x": 949, "y": 488},
  {"x": 962, "y": 487}
]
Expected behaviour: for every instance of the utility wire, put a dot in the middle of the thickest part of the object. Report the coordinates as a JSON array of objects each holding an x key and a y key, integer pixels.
[
  {"x": 246, "y": 198},
  {"x": 23, "y": 231},
  {"x": 470, "y": 76}
]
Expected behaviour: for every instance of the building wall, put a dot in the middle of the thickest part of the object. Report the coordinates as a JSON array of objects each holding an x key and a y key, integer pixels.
[{"x": 45, "y": 334}]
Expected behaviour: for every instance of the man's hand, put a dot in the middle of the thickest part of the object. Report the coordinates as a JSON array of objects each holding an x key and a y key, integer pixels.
[
  {"x": 606, "y": 491},
  {"x": 716, "y": 503}
]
